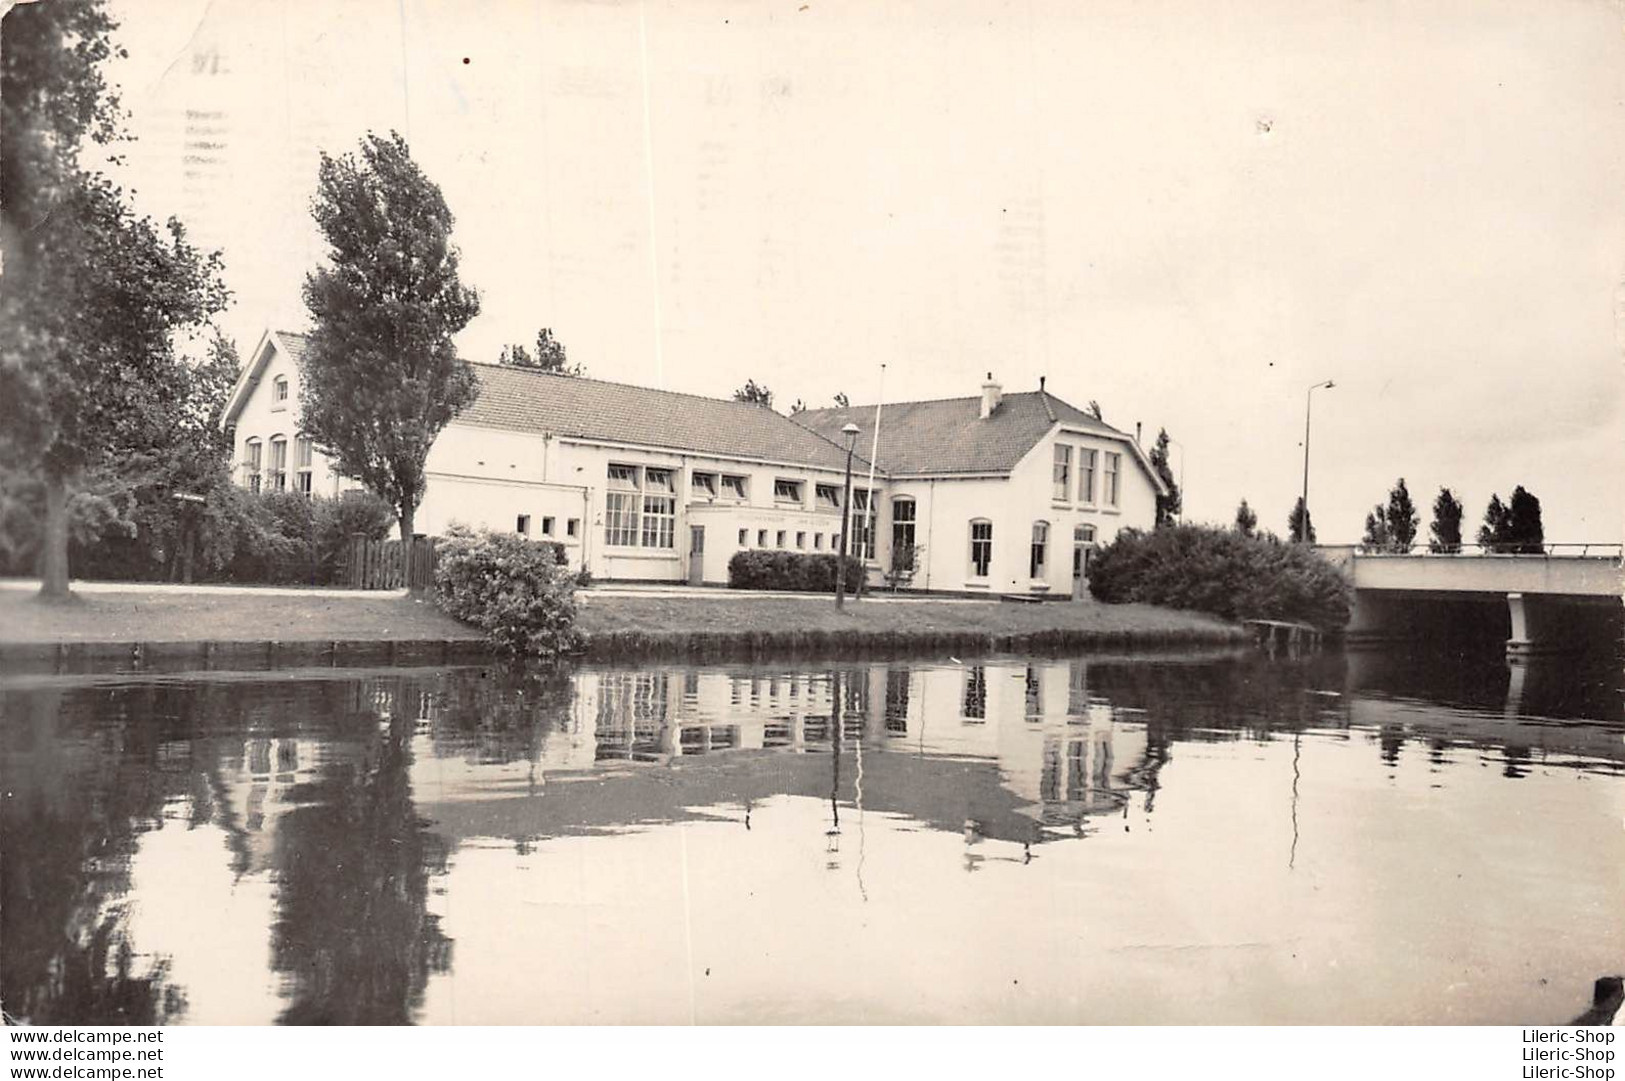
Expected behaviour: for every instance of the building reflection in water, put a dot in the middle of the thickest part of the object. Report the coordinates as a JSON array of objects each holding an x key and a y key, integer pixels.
[{"x": 352, "y": 793}]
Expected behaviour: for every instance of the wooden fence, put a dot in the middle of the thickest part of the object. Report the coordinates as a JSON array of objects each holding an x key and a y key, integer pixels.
[{"x": 390, "y": 564}]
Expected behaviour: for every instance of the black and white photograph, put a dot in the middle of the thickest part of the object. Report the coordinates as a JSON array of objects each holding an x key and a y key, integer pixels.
[{"x": 746, "y": 513}]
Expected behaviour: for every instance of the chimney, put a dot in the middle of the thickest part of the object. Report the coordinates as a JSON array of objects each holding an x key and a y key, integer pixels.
[
  {"x": 992, "y": 394},
  {"x": 1136, "y": 433},
  {"x": 1040, "y": 384}
]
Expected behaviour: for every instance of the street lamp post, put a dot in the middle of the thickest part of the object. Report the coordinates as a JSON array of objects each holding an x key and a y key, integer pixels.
[
  {"x": 1308, "y": 400},
  {"x": 851, "y": 433}
]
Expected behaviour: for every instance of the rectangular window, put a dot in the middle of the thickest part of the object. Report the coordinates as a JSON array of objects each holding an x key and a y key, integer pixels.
[
  {"x": 620, "y": 517},
  {"x": 659, "y": 509},
  {"x": 818, "y": 542},
  {"x": 521, "y": 525},
  {"x": 781, "y": 538},
  {"x": 702, "y": 484},
  {"x": 301, "y": 463},
  {"x": 863, "y": 534},
  {"x": 547, "y": 527},
  {"x": 981, "y": 548},
  {"x": 1109, "y": 476},
  {"x": 1040, "y": 549},
  {"x": 1086, "y": 475},
  {"x": 572, "y": 527},
  {"x": 787, "y": 491},
  {"x": 279, "y": 465},
  {"x": 829, "y": 497},
  {"x": 279, "y": 389},
  {"x": 801, "y": 540},
  {"x": 1063, "y": 472},
  {"x": 975, "y": 705},
  {"x": 761, "y": 538},
  {"x": 902, "y": 534},
  {"x": 735, "y": 488},
  {"x": 744, "y": 538}
]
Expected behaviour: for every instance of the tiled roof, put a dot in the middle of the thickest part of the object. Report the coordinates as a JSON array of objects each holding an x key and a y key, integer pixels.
[
  {"x": 296, "y": 343},
  {"x": 949, "y": 436},
  {"x": 527, "y": 400}
]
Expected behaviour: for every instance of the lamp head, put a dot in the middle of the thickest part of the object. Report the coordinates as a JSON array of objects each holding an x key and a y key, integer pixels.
[{"x": 850, "y": 431}]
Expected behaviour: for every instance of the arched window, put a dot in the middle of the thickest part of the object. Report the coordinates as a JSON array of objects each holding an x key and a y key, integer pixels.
[
  {"x": 252, "y": 451},
  {"x": 902, "y": 533},
  {"x": 277, "y": 473},
  {"x": 1040, "y": 551},
  {"x": 981, "y": 547}
]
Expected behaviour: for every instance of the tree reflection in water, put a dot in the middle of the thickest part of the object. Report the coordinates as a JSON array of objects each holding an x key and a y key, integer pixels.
[
  {"x": 69, "y": 826},
  {"x": 353, "y": 935}
]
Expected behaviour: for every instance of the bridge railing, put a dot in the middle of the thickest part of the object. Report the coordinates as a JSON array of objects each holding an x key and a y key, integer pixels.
[{"x": 1566, "y": 549}]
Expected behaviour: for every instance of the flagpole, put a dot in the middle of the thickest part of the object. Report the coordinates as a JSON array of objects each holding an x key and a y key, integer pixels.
[{"x": 874, "y": 452}]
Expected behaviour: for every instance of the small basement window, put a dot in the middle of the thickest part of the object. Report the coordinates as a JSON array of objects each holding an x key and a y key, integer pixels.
[
  {"x": 547, "y": 527},
  {"x": 521, "y": 525},
  {"x": 801, "y": 540},
  {"x": 781, "y": 538},
  {"x": 761, "y": 538},
  {"x": 744, "y": 538},
  {"x": 572, "y": 527}
]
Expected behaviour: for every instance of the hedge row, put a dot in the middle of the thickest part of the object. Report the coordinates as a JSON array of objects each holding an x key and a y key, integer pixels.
[
  {"x": 798, "y": 571},
  {"x": 1226, "y": 573}
]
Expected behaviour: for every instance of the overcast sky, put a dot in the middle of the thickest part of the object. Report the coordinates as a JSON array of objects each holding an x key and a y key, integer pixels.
[{"x": 1188, "y": 211}]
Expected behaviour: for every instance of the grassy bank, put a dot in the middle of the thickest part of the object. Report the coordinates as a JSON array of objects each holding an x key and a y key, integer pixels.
[
  {"x": 222, "y": 617},
  {"x": 724, "y": 623},
  {"x": 612, "y": 625}
]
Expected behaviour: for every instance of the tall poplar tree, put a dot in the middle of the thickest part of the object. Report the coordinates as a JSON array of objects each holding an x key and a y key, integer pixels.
[
  {"x": 1446, "y": 527},
  {"x": 1168, "y": 506},
  {"x": 381, "y": 376}
]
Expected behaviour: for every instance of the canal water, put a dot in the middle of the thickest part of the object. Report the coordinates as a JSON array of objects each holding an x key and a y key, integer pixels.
[{"x": 1201, "y": 838}]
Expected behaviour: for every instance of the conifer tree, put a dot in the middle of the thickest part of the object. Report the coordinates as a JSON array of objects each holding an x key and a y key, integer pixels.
[{"x": 1446, "y": 528}]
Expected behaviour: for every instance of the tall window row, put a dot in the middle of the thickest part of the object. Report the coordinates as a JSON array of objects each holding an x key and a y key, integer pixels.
[
  {"x": 640, "y": 507},
  {"x": 268, "y": 471},
  {"x": 1098, "y": 473}
]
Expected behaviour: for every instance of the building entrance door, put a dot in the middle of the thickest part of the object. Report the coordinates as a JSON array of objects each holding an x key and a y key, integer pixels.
[
  {"x": 1083, "y": 544},
  {"x": 696, "y": 555}
]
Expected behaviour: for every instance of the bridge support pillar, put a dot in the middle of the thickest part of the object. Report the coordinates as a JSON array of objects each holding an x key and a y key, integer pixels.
[{"x": 1537, "y": 627}]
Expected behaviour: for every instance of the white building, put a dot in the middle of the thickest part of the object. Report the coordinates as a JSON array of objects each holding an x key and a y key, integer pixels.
[{"x": 995, "y": 493}]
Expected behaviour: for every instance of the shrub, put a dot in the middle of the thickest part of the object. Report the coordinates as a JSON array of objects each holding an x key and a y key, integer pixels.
[
  {"x": 1223, "y": 572},
  {"x": 799, "y": 571},
  {"x": 514, "y": 590}
]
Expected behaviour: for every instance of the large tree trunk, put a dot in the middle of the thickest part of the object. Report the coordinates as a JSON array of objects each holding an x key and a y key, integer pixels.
[
  {"x": 409, "y": 512},
  {"x": 54, "y": 558}
]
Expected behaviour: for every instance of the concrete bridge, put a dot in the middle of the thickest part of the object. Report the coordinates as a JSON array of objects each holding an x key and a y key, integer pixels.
[{"x": 1553, "y": 598}]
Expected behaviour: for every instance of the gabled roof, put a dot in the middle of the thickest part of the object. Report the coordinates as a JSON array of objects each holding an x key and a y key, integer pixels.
[
  {"x": 574, "y": 407},
  {"x": 286, "y": 342},
  {"x": 949, "y": 436}
]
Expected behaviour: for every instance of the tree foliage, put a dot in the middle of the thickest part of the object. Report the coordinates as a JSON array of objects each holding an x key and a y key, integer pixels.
[
  {"x": 1300, "y": 526},
  {"x": 755, "y": 394},
  {"x": 1514, "y": 526},
  {"x": 94, "y": 295},
  {"x": 548, "y": 357},
  {"x": 1170, "y": 505},
  {"x": 1221, "y": 571},
  {"x": 1246, "y": 519},
  {"x": 381, "y": 376},
  {"x": 1445, "y": 530},
  {"x": 1392, "y": 527}
]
